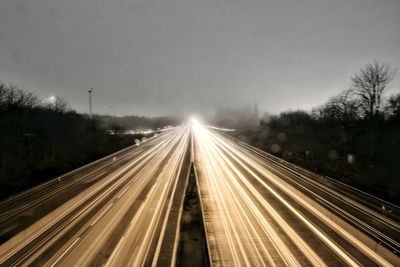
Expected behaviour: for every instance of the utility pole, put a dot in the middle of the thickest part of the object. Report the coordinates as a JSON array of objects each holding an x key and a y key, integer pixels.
[{"x": 90, "y": 103}]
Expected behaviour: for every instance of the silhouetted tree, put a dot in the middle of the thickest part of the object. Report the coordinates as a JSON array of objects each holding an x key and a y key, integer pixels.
[
  {"x": 344, "y": 136},
  {"x": 393, "y": 107},
  {"x": 14, "y": 97},
  {"x": 42, "y": 139},
  {"x": 340, "y": 113},
  {"x": 370, "y": 85},
  {"x": 58, "y": 105},
  {"x": 341, "y": 108}
]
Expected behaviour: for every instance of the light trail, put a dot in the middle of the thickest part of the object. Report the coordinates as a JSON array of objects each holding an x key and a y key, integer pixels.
[
  {"x": 237, "y": 183},
  {"x": 257, "y": 210},
  {"x": 115, "y": 179},
  {"x": 130, "y": 203}
]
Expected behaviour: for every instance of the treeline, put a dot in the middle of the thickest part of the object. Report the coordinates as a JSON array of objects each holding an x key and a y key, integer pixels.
[
  {"x": 40, "y": 139},
  {"x": 354, "y": 137},
  {"x": 118, "y": 124}
]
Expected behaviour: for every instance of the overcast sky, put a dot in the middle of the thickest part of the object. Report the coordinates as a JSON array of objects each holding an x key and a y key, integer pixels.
[{"x": 163, "y": 57}]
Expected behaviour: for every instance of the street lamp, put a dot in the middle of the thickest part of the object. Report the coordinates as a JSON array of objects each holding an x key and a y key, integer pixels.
[{"x": 90, "y": 102}]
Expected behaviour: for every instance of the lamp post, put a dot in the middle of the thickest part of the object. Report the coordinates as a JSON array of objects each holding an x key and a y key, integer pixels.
[{"x": 90, "y": 102}]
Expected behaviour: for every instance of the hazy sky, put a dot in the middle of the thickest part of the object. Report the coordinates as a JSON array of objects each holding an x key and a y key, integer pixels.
[{"x": 156, "y": 57}]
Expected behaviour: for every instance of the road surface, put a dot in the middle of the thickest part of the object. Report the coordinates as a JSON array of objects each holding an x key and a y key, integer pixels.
[
  {"x": 120, "y": 220},
  {"x": 261, "y": 212},
  {"x": 257, "y": 210}
]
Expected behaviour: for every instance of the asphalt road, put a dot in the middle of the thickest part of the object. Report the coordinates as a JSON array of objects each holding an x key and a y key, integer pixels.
[
  {"x": 259, "y": 211},
  {"x": 119, "y": 220}
]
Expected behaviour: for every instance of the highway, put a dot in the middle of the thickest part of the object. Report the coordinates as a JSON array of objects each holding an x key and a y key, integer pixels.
[
  {"x": 260, "y": 211},
  {"x": 257, "y": 210},
  {"x": 21, "y": 210},
  {"x": 119, "y": 220}
]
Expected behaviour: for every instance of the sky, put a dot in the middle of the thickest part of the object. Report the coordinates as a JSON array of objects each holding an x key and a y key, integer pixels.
[{"x": 178, "y": 57}]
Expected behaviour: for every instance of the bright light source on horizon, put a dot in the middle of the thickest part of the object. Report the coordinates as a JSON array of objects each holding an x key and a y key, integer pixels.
[{"x": 193, "y": 121}]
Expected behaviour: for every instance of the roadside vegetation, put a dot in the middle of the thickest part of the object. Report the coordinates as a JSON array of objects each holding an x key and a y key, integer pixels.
[
  {"x": 354, "y": 137},
  {"x": 40, "y": 139}
]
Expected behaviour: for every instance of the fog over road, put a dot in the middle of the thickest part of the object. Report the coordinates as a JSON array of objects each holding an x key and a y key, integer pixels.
[{"x": 124, "y": 210}]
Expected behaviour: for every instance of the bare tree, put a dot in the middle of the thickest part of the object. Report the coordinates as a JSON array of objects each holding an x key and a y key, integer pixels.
[
  {"x": 393, "y": 107},
  {"x": 341, "y": 110},
  {"x": 3, "y": 92},
  {"x": 13, "y": 97},
  {"x": 58, "y": 105},
  {"x": 370, "y": 85},
  {"x": 341, "y": 107}
]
